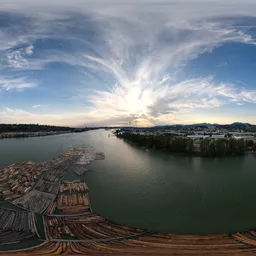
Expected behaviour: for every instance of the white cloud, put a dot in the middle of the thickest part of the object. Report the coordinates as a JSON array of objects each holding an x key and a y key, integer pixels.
[
  {"x": 146, "y": 89},
  {"x": 145, "y": 50},
  {"x": 15, "y": 83},
  {"x": 10, "y": 115},
  {"x": 29, "y": 50},
  {"x": 17, "y": 58},
  {"x": 37, "y": 106},
  {"x": 163, "y": 104}
]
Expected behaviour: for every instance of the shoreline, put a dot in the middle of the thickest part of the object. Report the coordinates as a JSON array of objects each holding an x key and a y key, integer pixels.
[
  {"x": 33, "y": 134},
  {"x": 193, "y": 154}
]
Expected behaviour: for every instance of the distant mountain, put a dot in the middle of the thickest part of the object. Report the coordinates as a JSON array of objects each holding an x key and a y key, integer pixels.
[
  {"x": 215, "y": 124},
  {"x": 240, "y": 124},
  {"x": 205, "y": 124},
  {"x": 202, "y": 124},
  {"x": 169, "y": 125}
]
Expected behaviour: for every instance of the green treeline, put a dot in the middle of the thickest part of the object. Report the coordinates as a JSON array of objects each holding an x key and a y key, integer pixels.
[
  {"x": 222, "y": 147},
  {"x": 31, "y": 128},
  {"x": 177, "y": 144},
  {"x": 38, "y": 128}
]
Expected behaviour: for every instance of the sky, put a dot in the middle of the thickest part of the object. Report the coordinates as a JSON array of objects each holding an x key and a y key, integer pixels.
[{"x": 107, "y": 63}]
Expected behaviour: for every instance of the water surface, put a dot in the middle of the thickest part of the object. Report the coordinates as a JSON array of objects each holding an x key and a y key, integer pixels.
[{"x": 155, "y": 190}]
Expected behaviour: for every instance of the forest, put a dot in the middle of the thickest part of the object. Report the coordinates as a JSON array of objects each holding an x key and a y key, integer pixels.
[
  {"x": 177, "y": 144},
  {"x": 37, "y": 128}
]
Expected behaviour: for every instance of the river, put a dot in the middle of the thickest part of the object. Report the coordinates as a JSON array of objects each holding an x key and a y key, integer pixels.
[{"x": 155, "y": 190}]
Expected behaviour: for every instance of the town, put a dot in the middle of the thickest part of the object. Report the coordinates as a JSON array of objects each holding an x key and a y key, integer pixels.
[{"x": 203, "y": 130}]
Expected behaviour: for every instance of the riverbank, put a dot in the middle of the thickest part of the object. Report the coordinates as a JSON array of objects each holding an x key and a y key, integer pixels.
[
  {"x": 183, "y": 154},
  {"x": 35, "y": 130},
  {"x": 186, "y": 146},
  {"x": 11, "y": 135}
]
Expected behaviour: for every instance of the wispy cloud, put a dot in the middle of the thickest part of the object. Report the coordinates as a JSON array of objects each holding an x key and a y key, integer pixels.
[
  {"x": 9, "y": 115},
  {"x": 29, "y": 50},
  {"x": 163, "y": 104},
  {"x": 145, "y": 88},
  {"x": 12, "y": 115},
  {"x": 144, "y": 51},
  {"x": 17, "y": 58},
  {"x": 38, "y": 106},
  {"x": 15, "y": 83},
  {"x": 223, "y": 64}
]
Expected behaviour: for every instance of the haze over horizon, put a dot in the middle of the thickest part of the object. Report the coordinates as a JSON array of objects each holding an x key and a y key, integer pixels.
[{"x": 106, "y": 63}]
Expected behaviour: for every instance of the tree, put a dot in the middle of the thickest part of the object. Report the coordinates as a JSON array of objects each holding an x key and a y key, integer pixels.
[
  {"x": 204, "y": 146},
  {"x": 221, "y": 147},
  {"x": 178, "y": 144},
  {"x": 249, "y": 143},
  {"x": 189, "y": 146},
  {"x": 211, "y": 149},
  {"x": 240, "y": 146}
]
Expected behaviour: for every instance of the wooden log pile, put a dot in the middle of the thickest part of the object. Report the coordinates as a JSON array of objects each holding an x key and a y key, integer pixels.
[
  {"x": 73, "y": 203},
  {"x": 74, "y": 187},
  {"x": 35, "y": 201},
  {"x": 16, "y": 225}
]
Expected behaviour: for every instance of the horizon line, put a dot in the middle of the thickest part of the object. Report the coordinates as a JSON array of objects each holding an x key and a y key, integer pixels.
[{"x": 109, "y": 126}]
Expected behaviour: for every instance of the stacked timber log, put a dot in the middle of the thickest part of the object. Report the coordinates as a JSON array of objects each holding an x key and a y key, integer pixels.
[
  {"x": 154, "y": 244},
  {"x": 21, "y": 180},
  {"x": 74, "y": 187},
  {"x": 16, "y": 225},
  {"x": 90, "y": 226},
  {"x": 51, "y": 208},
  {"x": 73, "y": 203},
  {"x": 35, "y": 201}
]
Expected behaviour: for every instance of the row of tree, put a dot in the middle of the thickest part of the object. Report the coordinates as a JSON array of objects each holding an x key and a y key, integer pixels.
[
  {"x": 38, "y": 128},
  {"x": 222, "y": 147},
  {"x": 178, "y": 144}
]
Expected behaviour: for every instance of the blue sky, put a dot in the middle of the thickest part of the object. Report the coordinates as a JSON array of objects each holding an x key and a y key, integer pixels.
[{"x": 107, "y": 63}]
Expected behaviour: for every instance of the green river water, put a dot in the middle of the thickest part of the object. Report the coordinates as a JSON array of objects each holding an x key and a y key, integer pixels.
[{"x": 155, "y": 190}]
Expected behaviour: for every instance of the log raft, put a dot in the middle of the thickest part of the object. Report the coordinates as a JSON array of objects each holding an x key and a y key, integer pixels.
[{"x": 75, "y": 229}]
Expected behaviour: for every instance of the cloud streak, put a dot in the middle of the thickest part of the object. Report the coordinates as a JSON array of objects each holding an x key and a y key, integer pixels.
[
  {"x": 17, "y": 58},
  {"x": 145, "y": 88},
  {"x": 12, "y": 115},
  {"x": 15, "y": 84},
  {"x": 37, "y": 106},
  {"x": 141, "y": 54}
]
